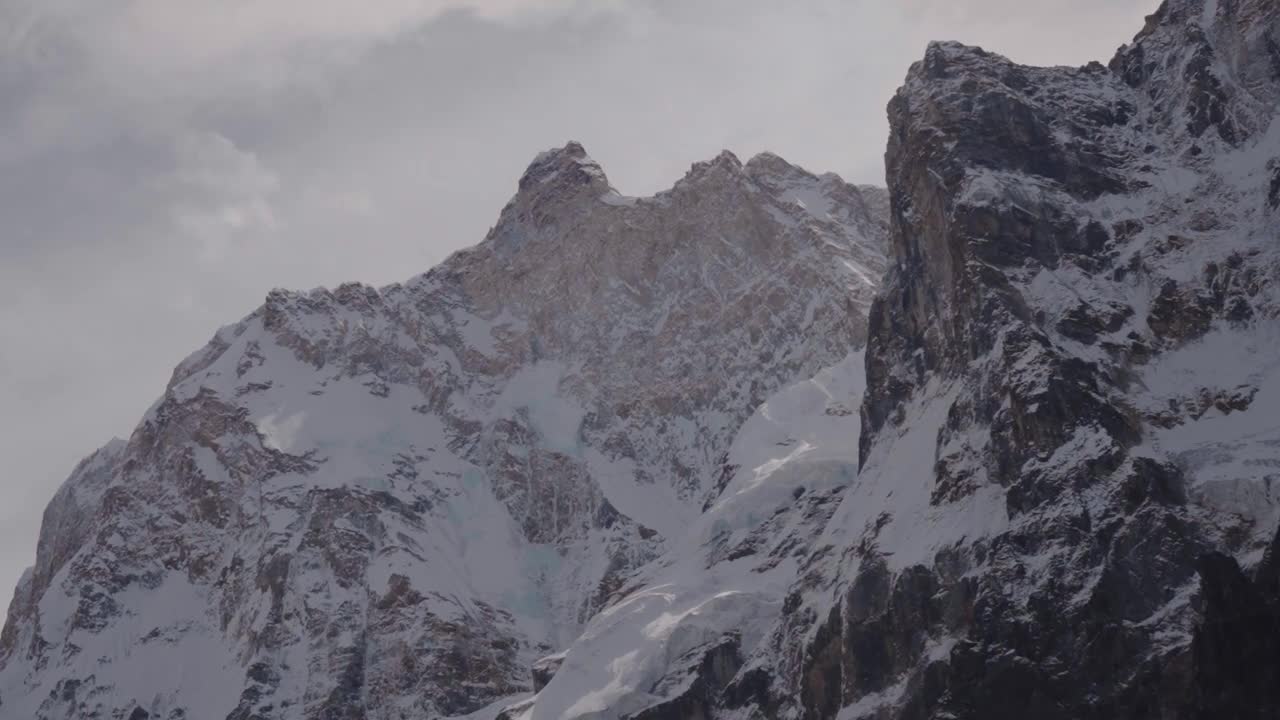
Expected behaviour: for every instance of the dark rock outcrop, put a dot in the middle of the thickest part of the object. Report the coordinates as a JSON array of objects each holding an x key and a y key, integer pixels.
[{"x": 1078, "y": 257}]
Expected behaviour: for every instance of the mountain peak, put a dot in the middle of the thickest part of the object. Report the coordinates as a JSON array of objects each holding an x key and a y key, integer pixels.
[
  {"x": 366, "y": 503},
  {"x": 767, "y": 166},
  {"x": 725, "y": 164},
  {"x": 558, "y": 181},
  {"x": 564, "y": 168}
]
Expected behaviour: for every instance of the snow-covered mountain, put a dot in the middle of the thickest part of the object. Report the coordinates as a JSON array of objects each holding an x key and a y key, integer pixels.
[
  {"x": 665, "y": 458},
  {"x": 391, "y": 503}
]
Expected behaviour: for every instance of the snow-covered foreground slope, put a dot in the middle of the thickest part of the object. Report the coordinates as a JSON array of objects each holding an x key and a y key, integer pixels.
[{"x": 391, "y": 503}]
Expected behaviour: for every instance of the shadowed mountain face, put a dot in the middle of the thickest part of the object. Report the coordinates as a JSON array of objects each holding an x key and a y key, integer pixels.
[
  {"x": 688, "y": 456},
  {"x": 391, "y": 502},
  {"x": 1071, "y": 429}
]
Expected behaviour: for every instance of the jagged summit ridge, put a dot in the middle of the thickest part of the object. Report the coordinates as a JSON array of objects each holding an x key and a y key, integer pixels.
[{"x": 563, "y": 184}]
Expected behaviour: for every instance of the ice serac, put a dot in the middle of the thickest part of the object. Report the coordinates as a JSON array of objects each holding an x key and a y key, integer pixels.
[
  {"x": 1067, "y": 500},
  {"x": 404, "y": 502}
]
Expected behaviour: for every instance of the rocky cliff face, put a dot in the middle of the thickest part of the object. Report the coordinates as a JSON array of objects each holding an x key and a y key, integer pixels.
[
  {"x": 391, "y": 503},
  {"x": 1067, "y": 503}
]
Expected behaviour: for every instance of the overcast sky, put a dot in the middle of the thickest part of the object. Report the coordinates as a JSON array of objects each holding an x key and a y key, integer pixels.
[{"x": 164, "y": 163}]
